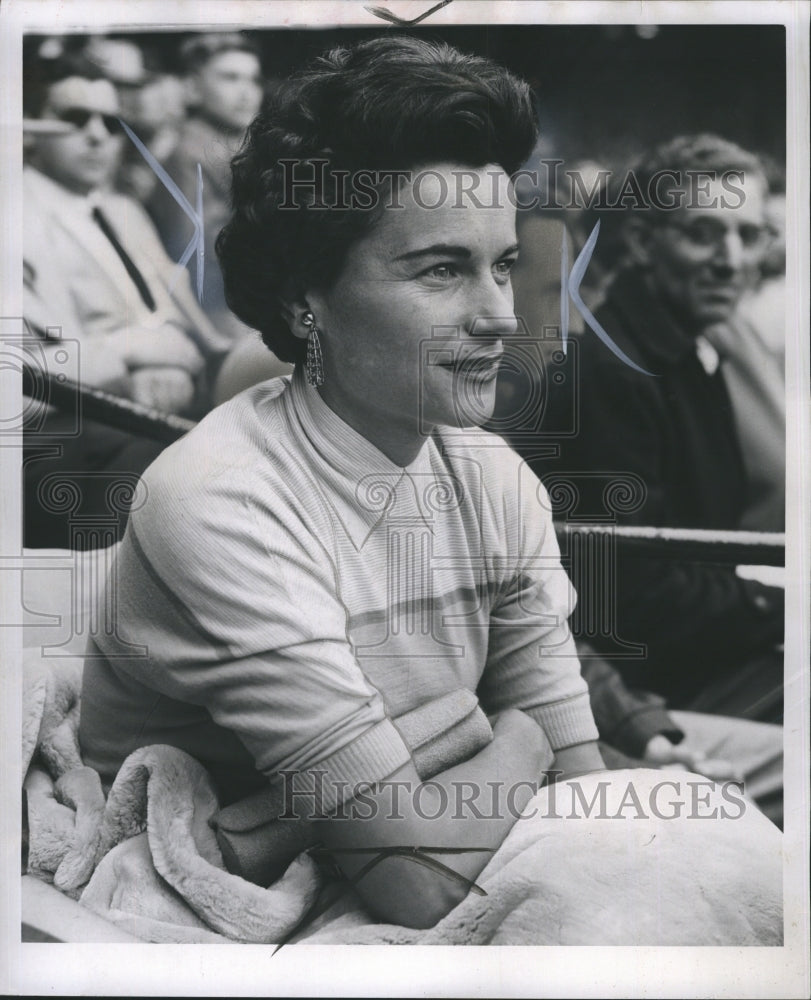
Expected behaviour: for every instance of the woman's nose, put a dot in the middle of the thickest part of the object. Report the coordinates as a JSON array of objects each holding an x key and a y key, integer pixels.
[{"x": 492, "y": 313}]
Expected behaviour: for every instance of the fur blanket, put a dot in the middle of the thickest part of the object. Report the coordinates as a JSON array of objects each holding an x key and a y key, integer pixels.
[{"x": 590, "y": 862}]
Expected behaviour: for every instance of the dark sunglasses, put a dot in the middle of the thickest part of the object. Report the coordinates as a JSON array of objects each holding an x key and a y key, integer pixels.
[{"x": 81, "y": 116}]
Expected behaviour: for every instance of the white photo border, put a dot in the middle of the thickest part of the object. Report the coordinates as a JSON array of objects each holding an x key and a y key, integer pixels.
[{"x": 250, "y": 970}]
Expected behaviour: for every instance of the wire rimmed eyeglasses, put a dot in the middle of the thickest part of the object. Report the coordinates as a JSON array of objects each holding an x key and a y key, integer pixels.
[{"x": 710, "y": 234}]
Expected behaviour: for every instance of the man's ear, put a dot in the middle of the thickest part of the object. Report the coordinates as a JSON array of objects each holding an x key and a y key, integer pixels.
[{"x": 638, "y": 238}]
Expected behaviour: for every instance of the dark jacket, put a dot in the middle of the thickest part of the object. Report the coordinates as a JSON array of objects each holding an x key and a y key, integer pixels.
[
  {"x": 627, "y": 719},
  {"x": 673, "y": 432}
]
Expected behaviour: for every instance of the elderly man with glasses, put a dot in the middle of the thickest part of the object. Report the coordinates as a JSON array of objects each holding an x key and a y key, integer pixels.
[
  {"x": 101, "y": 296},
  {"x": 697, "y": 634}
]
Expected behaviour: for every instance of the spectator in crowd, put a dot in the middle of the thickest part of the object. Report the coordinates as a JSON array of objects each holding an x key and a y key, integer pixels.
[
  {"x": 752, "y": 344},
  {"x": 223, "y": 78},
  {"x": 97, "y": 277},
  {"x": 765, "y": 304},
  {"x": 121, "y": 61},
  {"x": 152, "y": 104},
  {"x": 635, "y": 725},
  {"x": 665, "y": 420}
]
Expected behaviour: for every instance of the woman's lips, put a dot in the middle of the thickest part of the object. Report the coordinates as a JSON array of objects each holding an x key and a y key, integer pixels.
[{"x": 482, "y": 366}]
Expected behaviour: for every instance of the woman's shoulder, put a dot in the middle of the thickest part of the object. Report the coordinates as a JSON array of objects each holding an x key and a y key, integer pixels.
[{"x": 243, "y": 451}]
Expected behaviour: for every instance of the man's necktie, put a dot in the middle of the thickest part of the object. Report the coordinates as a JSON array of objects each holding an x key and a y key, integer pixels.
[{"x": 126, "y": 260}]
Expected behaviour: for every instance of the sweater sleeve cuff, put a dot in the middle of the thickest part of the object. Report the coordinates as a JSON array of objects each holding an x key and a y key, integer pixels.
[
  {"x": 638, "y": 729},
  {"x": 566, "y": 723},
  {"x": 326, "y": 786}
]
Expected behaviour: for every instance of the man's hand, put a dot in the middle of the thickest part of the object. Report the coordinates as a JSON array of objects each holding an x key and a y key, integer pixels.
[
  {"x": 104, "y": 369},
  {"x": 162, "y": 388},
  {"x": 660, "y": 752},
  {"x": 164, "y": 344}
]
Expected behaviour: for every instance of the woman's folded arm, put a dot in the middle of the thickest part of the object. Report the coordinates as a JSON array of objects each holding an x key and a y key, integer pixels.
[{"x": 471, "y": 805}]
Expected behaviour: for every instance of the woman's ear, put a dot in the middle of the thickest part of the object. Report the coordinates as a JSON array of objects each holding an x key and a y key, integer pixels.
[
  {"x": 293, "y": 312},
  {"x": 638, "y": 236}
]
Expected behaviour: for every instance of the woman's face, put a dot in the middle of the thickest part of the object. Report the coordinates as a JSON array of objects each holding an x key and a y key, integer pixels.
[{"x": 412, "y": 330}]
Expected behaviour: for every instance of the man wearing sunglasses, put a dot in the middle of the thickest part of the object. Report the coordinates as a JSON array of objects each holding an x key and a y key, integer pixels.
[
  {"x": 98, "y": 284},
  {"x": 665, "y": 427}
]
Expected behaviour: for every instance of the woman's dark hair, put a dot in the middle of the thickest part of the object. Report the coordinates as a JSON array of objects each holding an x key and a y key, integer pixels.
[{"x": 394, "y": 103}]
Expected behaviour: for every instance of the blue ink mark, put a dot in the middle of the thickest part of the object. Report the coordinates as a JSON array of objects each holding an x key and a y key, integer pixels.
[
  {"x": 570, "y": 286},
  {"x": 196, "y": 244},
  {"x": 564, "y": 294}
]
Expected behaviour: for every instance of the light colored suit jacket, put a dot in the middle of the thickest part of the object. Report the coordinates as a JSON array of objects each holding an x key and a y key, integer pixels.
[{"x": 76, "y": 286}]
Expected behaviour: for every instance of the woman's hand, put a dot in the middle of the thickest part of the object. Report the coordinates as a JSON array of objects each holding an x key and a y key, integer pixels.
[
  {"x": 522, "y": 741},
  {"x": 580, "y": 759}
]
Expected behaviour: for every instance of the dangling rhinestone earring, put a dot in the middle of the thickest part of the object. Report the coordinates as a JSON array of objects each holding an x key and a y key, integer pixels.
[{"x": 314, "y": 363}]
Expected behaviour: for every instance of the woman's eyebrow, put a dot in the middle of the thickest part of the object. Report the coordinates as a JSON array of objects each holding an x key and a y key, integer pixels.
[{"x": 450, "y": 249}]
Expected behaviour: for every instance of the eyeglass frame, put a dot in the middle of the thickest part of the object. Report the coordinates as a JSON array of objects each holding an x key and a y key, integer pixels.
[{"x": 758, "y": 243}]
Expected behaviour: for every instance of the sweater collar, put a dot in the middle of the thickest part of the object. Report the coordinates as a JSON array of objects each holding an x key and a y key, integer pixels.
[{"x": 371, "y": 484}]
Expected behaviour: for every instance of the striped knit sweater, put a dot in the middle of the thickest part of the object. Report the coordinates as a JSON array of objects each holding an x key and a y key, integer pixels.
[{"x": 286, "y": 590}]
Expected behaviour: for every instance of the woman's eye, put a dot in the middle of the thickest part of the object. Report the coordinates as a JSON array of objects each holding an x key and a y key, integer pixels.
[
  {"x": 503, "y": 268},
  {"x": 441, "y": 271}
]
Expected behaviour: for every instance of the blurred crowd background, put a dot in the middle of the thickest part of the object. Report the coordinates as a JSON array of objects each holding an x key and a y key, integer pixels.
[{"x": 605, "y": 93}]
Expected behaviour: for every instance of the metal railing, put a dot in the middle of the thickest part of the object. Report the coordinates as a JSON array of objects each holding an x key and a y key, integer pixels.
[
  {"x": 95, "y": 404},
  {"x": 688, "y": 544}
]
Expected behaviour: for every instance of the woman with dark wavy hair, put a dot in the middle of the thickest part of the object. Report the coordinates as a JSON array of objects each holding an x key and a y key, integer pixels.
[{"x": 322, "y": 555}]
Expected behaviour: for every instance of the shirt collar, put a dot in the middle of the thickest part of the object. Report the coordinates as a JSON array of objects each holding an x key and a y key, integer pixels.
[
  {"x": 707, "y": 355},
  {"x": 57, "y": 195}
]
